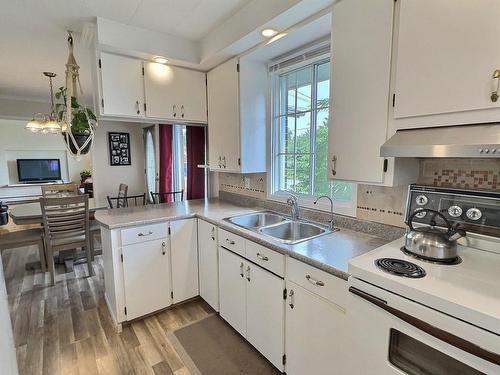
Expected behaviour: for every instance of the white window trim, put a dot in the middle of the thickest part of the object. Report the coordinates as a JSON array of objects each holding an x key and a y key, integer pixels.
[{"x": 306, "y": 201}]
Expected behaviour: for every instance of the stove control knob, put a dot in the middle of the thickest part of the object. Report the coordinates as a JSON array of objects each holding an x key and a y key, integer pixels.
[
  {"x": 455, "y": 211},
  {"x": 421, "y": 200},
  {"x": 474, "y": 213},
  {"x": 422, "y": 214}
]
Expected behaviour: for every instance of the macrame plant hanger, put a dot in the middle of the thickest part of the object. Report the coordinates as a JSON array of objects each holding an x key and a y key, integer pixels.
[{"x": 72, "y": 86}]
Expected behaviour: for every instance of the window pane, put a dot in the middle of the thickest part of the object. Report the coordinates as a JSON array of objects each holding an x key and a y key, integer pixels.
[
  {"x": 291, "y": 89},
  {"x": 303, "y": 133},
  {"x": 323, "y": 86},
  {"x": 281, "y": 103},
  {"x": 321, "y": 182},
  {"x": 286, "y": 170},
  {"x": 302, "y": 176},
  {"x": 286, "y": 134},
  {"x": 304, "y": 85}
]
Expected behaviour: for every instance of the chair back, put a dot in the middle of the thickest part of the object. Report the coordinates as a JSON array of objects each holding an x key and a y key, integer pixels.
[
  {"x": 59, "y": 190},
  {"x": 163, "y": 196},
  {"x": 65, "y": 219},
  {"x": 129, "y": 200}
]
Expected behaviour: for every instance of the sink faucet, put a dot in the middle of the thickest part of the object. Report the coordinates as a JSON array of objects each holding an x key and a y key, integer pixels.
[
  {"x": 292, "y": 201},
  {"x": 332, "y": 218}
]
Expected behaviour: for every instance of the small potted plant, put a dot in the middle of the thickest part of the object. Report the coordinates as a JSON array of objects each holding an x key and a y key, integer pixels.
[
  {"x": 81, "y": 116},
  {"x": 84, "y": 175}
]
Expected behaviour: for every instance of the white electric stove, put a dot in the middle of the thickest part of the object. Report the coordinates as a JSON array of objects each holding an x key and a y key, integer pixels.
[{"x": 419, "y": 317}]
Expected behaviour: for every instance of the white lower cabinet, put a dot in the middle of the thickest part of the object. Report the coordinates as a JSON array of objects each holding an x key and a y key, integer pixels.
[
  {"x": 232, "y": 290},
  {"x": 208, "y": 263},
  {"x": 184, "y": 250},
  {"x": 265, "y": 313},
  {"x": 146, "y": 276},
  {"x": 315, "y": 335}
]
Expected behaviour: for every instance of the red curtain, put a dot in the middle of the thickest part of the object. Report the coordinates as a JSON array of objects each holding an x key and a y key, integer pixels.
[
  {"x": 166, "y": 159},
  {"x": 195, "y": 144}
]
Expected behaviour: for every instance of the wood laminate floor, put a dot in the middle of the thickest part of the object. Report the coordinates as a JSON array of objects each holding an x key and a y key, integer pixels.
[{"x": 67, "y": 329}]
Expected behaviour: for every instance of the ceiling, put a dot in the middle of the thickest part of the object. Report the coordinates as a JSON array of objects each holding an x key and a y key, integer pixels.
[{"x": 33, "y": 37}]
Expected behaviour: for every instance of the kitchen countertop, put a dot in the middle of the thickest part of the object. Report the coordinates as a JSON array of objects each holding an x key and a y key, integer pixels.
[{"x": 330, "y": 253}]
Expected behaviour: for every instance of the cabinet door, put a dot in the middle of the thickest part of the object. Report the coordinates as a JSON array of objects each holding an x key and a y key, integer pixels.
[
  {"x": 184, "y": 249},
  {"x": 122, "y": 86},
  {"x": 265, "y": 313},
  {"x": 447, "y": 53},
  {"x": 146, "y": 276},
  {"x": 359, "y": 100},
  {"x": 315, "y": 335},
  {"x": 208, "y": 263},
  {"x": 175, "y": 93},
  {"x": 232, "y": 290},
  {"x": 223, "y": 117}
]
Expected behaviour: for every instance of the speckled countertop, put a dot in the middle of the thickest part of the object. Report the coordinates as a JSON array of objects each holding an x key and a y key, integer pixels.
[{"x": 330, "y": 252}]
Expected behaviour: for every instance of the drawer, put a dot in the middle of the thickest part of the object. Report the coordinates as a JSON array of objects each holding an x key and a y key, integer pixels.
[
  {"x": 144, "y": 233},
  {"x": 266, "y": 258},
  {"x": 319, "y": 282},
  {"x": 231, "y": 241}
]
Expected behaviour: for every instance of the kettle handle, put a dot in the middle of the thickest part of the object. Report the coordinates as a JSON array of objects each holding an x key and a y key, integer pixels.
[{"x": 436, "y": 213}]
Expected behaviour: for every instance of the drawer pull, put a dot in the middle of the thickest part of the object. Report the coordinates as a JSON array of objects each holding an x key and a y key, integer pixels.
[
  {"x": 145, "y": 234},
  {"x": 230, "y": 242},
  {"x": 314, "y": 281},
  {"x": 241, "y": 269},
  {"x": 262, "y": 257}
]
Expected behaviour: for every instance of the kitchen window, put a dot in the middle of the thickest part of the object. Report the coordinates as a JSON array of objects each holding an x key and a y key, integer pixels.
[{"x": 301, "y": 98}]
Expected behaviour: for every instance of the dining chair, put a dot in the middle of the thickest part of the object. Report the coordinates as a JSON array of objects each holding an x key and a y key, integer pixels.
[
  {"x": 122, "y": 194},
  {"x": 25, "y": 237},
  {"x": 53, "y": 190},
  {"x": 129, "y": 201},
  {"x": 163, "y": 196},
  {"x": 66, "y": 226}
]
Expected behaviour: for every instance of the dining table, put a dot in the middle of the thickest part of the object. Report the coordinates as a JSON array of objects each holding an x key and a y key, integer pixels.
[{"x": 31, "y": 213}]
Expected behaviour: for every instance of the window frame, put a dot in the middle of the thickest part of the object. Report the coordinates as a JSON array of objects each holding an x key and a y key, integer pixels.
[{"x": 347, "y": 208}]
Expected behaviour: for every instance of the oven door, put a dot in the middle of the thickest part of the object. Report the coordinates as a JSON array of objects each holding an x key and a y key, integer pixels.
[{"x": 394, "y": 335}]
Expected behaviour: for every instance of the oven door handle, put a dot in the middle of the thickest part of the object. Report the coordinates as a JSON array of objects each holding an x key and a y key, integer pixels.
[{"x": 438, "y": 333}]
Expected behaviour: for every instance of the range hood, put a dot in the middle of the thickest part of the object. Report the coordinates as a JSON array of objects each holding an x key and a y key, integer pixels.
[{"x": 459, "y": 141}]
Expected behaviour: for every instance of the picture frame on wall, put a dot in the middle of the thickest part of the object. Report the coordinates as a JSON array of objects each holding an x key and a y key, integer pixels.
[{"x": 119, "y": 148}]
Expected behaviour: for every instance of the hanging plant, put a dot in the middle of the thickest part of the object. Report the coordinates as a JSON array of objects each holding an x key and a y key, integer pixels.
[{"x": 82, "y": 123}]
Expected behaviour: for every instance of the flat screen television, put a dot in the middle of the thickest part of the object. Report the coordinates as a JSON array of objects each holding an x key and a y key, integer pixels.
[{"x": 38, "y": 170}]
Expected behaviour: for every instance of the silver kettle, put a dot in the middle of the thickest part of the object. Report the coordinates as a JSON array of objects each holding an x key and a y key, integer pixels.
[{"x": 432, "y": 243}]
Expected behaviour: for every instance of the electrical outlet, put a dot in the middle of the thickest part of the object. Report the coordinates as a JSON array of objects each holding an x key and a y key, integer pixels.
[{"x": 247, "y": 182}]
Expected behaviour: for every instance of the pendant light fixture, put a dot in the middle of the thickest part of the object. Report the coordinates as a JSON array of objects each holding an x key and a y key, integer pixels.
[{"x": 45, "y": 123}]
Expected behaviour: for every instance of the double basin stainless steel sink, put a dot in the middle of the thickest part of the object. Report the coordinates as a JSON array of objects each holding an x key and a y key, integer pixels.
[{"x": 279, "y": 227}]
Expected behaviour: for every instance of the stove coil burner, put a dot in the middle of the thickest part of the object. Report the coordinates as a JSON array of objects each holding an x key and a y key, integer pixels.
[{"x": 400, "y": 267}]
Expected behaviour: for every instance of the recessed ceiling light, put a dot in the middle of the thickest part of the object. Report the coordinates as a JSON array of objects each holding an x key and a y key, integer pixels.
[
  {"x": 269, "y": 33},
  {"x": 160, "y": 60}
]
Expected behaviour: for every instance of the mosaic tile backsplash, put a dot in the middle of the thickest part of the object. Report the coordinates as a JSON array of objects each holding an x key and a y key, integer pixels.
[{"x": 387, "y": 204}]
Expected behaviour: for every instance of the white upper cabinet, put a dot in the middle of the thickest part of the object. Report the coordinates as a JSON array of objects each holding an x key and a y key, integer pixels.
[
  {"x": 122, "y": 87},
  {"x": 360, "y": 81},
  {"x": 237, "y": 96},
  {"x": 447, "y": 52},
  {"x": 175, "y": 93}
]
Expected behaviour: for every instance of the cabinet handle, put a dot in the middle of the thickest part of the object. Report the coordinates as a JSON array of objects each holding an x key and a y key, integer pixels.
[
  {"x": 224, "y": 161},
  {"x": 334, "y": 162},
  {"x": 213, "y": 234},
  {"x": 230, "y": 242},
  {"x": 314, "y": 281},
  {"x": 220, "y": 162},
  {"x": 262, "y": 257},
  {"x": 495, "y": 86},
  {"x": 138, "y": 107},
  {"x": 241, "y": 269},
  {"x": 174, "y": 109},
  {"x": 248, "y": 273},
  {"x": 182, "y": 111},
  {"x": 163, "y": 248},
  {"x": 291, "y": 294},
  {"x": 145, "y": 234}
]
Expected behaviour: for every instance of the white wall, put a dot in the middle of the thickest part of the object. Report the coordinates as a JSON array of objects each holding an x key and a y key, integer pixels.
[
  {"x": 17, "y": 143},
  {"x": 106, "y": 177}
]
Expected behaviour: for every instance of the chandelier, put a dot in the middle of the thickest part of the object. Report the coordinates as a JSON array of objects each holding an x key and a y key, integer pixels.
[{"x": 46, "y": 123}]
